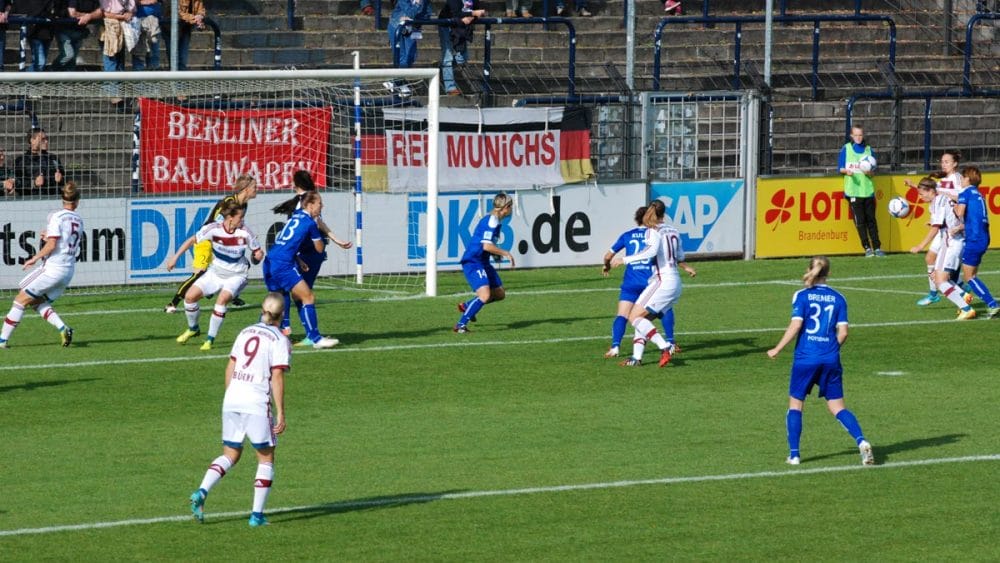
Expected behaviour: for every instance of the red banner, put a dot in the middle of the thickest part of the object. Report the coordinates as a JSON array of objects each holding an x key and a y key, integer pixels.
[{"x": 189, "y": 150}]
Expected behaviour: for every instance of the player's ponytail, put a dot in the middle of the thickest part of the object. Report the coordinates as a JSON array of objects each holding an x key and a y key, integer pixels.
[
  {"x": 272, "y": 309},
  {"x": 502, "y": 200},
  {"x": 819, "y": 269},
  {"x": 70, "y": 193}
]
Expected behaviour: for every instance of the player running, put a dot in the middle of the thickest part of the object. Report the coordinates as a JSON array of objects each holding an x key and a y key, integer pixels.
[
  {"x": 41, "y": 287},
  {"x": 971, "y": 210},
  {"x": 255, "y": 378},
  {"x": 229, "y": 239},
  {"x": 481, "y": 275}
]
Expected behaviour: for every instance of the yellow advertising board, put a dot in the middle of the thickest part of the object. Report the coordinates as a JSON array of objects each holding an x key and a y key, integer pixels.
[{"x": 799, "y": 216}]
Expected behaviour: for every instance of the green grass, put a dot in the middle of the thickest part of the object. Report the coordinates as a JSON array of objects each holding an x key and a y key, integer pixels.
[{"x": 409, "y": 442}]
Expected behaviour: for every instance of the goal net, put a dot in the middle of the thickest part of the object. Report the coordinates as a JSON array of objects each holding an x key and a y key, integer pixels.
[{"x": 153, "y": 152}]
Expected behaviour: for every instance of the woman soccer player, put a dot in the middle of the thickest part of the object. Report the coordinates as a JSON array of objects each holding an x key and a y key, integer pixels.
[
  {"x": 481, "y": 275},
  {"x": 255, "y": 377},
  {"x": 949, "y": 182},
  {"x": 244, "y": 189},
  {"x": 633, "y": 282},
  {"x": 945, "y": 228},
  {"x": 309, "y": 260},
  {"x": 662, "y": 244},
  {"x": 819, "y": 328},
  {"x": 58, "y": 257},
  {"x": 971, "y": 210},
  {"x": 281, "y": 268},
  {"x": 226, "y": 274}
]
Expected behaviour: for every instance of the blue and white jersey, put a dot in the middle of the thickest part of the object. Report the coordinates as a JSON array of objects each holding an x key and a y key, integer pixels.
[
  {"x": 821, "y": 310},
  {"x": 977, "y": 218},
  {"x": 487, "y": 230},
  {"x": 636, "y": 273},
  {"x": 299, "y": 228}
]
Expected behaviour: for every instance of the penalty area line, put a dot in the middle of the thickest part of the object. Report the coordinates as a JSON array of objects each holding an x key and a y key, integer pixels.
[{"x": 407, "y": 499}]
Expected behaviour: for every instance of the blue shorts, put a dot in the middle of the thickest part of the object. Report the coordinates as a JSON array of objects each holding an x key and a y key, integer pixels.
[
  {"x": 479, "y": 274},
  {"x": 630, "y": 293},
  {"x": 828, "y": 376},
  {"x": 315, "y": 262},
  {"x": 973, "y": 255},
  {"x": 280, "y": 277}
]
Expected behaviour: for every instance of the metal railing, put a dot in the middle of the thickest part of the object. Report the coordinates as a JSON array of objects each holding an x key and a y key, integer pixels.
[{"x": 739, "y": 21}]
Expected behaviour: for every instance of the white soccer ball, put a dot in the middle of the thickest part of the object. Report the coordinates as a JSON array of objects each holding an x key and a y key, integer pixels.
[
  {"x": 898, "y": 207},
  {"x": 867, "y": 163}
]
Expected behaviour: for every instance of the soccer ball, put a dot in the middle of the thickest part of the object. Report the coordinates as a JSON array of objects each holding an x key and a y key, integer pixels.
[
  {"x": 898, "y": 207},
  {"x": 867, "y": 163}
]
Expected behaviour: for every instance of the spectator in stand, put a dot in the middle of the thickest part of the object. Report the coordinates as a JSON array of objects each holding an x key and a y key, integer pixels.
[
  {"x": 672, "y": 7},
  {"x": 581, "y": 8},
  {"x": 146, "y": 55},
  {"x": 36, "y": 172},
  {"x": 408, "y": 10},
  {"x": 367, "y": 8},
  {"x": 192, "y": 14},
  {"x": 455, "y": 39},
  {"x": 39, "y": 36},
  {"x": 4, "y": 13},
  {"x": 116, "y": 14},
  {"x": 517, "y": 8},
  {"x": 69, "y": 39}
]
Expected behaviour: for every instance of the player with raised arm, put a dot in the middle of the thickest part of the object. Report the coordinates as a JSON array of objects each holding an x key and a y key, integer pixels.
[
  {"x": 949, "y": 182},
  {"x": 633, "y": 282},
  {"x": 819, "y": 328},
  {"x": 45, "y": 284},
  {"x": 662, "y": 244},
  {"x": 945, "y": 227},
  {"x": 255, "y": 378},
  {"x": 310, "y": 261},
  {"x": 970, "y": 208},
  {"x": 481, "y": 275},
  {"x": 282, "y": 271},
  {"x": 229, "y": 238},
  {"x": 244, "y": 189}
]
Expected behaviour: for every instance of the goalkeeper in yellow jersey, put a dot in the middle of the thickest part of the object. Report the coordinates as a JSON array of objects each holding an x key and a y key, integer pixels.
[{"x": 244, "y": 190}]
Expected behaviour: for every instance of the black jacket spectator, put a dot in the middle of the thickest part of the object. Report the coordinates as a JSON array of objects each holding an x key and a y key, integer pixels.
[{"x": 36, "y": 172}]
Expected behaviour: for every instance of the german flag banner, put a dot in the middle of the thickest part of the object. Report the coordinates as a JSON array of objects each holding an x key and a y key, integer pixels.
[{"x": 492, "y": 148}]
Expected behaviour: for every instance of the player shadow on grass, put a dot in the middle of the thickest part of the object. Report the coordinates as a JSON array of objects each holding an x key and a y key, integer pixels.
[
  {"x": 367, "y": 503},
  {"x": 551, "y": 320},
  {"x": 33, "y": 385},
  {"x": 883, "y": 452}
]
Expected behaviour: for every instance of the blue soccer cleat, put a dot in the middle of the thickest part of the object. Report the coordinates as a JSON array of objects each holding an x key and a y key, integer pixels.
[
  {"x": 257, "y": 519},
  {"x": 929, "y": 299},
  {"x": 198, "y": 505}
]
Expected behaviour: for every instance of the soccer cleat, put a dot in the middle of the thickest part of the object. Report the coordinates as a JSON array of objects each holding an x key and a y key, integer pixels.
[
  {"x": 792, "y": 460},
  {"x": 879, "y": 253},
  {"x": 929, "y": 299},
  {"x": 867, "y": 457},
  {"x": 198, "y": 505},
  {"x": 237, "y": 302},
  {"x": 461, "y": 329},
  {"x": 612, "y": 352},
  {"x": 665, "y": 356},
  {"x": 187, "y": 334},
  {"x": 968, "y": 298},
  {"x": 325, "y": 342},
  {"x": 67, "y": 336},
  {"x": 207, "y": 346},
  {"x": 305, "y": 342},
  {"x": 992, "y": 312},
  {"x": 630, "y": 362},
  {"x": 461, "y": 309},
  {"x": 170, "y": 308},
  {"x": 257, "y": 519},
  {"x": 966, "y": 315},
  {"x": 3, "y": 343}
]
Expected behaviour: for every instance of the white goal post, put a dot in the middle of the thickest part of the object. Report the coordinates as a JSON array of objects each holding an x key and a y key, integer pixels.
[{"x": 153, "y": 151}]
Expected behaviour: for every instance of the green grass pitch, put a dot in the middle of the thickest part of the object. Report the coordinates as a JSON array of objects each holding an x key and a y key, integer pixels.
[{"x": 517, "y": 441}]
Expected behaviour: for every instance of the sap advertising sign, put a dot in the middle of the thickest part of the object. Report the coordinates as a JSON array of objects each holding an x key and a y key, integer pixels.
[{"x": 709, "y": 215}]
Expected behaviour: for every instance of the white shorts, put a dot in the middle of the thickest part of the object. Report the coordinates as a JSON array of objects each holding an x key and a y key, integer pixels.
[
  {"x": 255, "y": 427},
  {"x": 949, "y": 258},
  {"x": 935, "y": 245},
  {"x": 660, "y": 295},
  {"x": 211, "y": 283},
  {"x": 47, "y": 282}
]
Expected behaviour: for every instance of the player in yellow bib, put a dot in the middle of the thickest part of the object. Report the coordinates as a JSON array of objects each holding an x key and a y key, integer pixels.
[{"x": 244, "y": 190}]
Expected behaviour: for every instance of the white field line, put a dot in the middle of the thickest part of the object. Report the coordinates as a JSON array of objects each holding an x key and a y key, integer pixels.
[
  {"x": 407, "y": 499},
  {"x": 458, "y": 344}
]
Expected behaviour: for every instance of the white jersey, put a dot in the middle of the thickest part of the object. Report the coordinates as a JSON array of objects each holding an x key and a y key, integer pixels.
[
  {"x": 257, "y": 350},
  {"x": 663, "y": 244},
  {"x": 942, "y": 210},
  {"x": 228, "y": 248},
  {"x": 67, "y": 226},
  {"x": 950, "y": 185}
]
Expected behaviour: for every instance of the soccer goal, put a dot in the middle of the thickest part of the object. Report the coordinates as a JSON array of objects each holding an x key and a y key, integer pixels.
[{"x": 154, "y": 151}]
